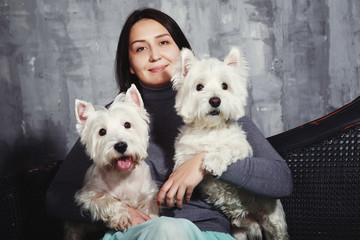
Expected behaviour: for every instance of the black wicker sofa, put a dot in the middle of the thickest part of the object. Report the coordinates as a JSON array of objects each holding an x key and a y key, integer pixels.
[
  {"x": 323, "y": 155},
  {"x": 324, "y": 158}
]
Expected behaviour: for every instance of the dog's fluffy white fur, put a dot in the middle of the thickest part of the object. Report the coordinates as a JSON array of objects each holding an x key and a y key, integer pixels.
[
  {"x": 116, "y": 139},
  {"x": 211, "y": 97}
]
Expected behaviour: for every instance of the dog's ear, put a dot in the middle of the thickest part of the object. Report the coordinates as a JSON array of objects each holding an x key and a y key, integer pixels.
[
  {"x": 182, "y": 68},
  {"x": 119, "y": 98},
  {"x": 82, "y": 110},
  {"x": 133, "y": 95},
  {"x": 187, "y": 59},
  {"x": 236, "y": 59},
  {"x": 233, "y": 58}
]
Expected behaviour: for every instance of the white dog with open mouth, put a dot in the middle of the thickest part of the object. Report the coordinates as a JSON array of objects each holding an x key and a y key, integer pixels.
[
  {"x": 116, "y": 140},
  {"x": 211, "y": 97}
]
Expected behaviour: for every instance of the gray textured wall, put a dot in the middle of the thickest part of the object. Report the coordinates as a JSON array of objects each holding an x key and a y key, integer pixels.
[{"x": 304, "y": 58}]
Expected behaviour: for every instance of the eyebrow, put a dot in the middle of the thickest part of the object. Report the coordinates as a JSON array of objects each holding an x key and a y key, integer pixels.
[{"x": 158, "y": 36}]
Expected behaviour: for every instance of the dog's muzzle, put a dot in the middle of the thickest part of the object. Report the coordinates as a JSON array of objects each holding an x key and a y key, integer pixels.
[
  {"x": 215, "y": 103},
  {"x": 124, "y": 162},
  {"x": 214, "y": 112},
  {"x": 121, "y": 147}
]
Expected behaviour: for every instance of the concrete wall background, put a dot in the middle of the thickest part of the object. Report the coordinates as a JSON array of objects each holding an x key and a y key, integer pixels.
[{"x": 304, "y": 58}]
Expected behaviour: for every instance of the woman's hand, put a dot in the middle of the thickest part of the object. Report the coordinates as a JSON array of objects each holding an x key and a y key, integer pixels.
[
  {"x": 182, "y": 182},
  {"x": 137, "y": 216}
]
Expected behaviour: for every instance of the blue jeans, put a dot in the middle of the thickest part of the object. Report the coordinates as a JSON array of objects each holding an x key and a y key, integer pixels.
[{"x": 166, "y": 228}]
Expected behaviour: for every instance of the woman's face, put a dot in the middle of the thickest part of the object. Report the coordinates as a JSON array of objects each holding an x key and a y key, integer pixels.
[{"x": 152, "y": 53}]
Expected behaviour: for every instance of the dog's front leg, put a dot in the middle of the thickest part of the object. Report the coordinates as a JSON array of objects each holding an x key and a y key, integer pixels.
[
  {"x": 216, "y": 162},
  {"x": 104, "y": 207},
  {"x": 217, "y": 159},
  {"x": 274, "y": 224}
]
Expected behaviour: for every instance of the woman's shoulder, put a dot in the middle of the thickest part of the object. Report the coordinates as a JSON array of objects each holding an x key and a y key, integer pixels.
[
  {"x": 246, "y": 122},
  {"x": 245, "y": 118}
]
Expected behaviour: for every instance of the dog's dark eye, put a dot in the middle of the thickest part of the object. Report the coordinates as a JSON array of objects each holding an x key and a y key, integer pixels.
[
  {"x": 102, "y": 132},
  {"x": 199, "y": 87},
  {"x": 127, "y": 125},
  {"x": 224, "y": 86}
]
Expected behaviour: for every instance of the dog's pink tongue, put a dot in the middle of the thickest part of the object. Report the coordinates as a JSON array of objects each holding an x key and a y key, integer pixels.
[{"x": 124, "y": 163}]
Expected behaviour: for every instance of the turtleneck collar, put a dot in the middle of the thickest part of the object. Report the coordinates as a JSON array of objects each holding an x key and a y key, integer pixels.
[
  {"x": 157, "y": 97},
  {"x": 164, "y": 122}
]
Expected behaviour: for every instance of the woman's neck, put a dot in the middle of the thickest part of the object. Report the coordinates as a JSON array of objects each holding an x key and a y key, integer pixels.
[
  {"x": 164, "y": 122},
  {"x": 155, "y": 98}
]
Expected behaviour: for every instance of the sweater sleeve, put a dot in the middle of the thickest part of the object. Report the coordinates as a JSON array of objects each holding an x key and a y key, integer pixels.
[
  {"x": 60, "y": 201},
  {"x": 266, "y": 173}
]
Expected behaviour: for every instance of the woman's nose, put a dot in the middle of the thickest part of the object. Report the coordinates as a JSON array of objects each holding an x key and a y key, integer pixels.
[{"x": 154, "y": 54}]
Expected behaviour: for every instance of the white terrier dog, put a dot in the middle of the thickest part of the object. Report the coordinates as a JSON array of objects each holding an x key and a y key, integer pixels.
[
  {"x": 116, "y": 139},
  {"x": 211, "y": 97}
]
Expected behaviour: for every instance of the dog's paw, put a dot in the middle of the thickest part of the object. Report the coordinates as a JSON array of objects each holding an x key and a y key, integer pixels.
[
  {"x": 246, "y": 229},
  {"x": 213, "y": 164},
  {"x": 120, "y": 222},
  {"x": 153, "y": 216},
  {"x": 214, "y": 171}
]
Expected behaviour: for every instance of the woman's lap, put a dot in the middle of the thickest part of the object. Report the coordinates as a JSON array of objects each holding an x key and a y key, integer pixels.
[{"x": 166, "y": 228}]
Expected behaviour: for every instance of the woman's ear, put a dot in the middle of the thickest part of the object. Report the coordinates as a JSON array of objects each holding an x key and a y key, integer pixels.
[{"x": 131, "y": 70}]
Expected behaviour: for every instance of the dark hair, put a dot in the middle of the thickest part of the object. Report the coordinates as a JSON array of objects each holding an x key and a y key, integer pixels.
[{"x": 122, "y": 65}]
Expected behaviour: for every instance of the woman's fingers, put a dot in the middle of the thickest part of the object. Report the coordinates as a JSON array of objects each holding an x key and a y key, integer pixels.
[
  {"x": 188, "y": 194},
  {"x": 170, "y": 196},
  {"x": 137, "y": 216},
  {"x": 163, "y": 191},
  {"x": 180, "y": 196},
  {"x": 143, "y": 215},
  {"x": 182, "y": 182}
]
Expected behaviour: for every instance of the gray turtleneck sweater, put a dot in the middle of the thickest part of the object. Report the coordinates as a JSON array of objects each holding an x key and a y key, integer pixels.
[{"x": 266, "y": 173}]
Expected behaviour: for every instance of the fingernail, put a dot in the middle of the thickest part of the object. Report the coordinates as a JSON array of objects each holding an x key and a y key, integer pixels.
[
  {"x": 186, "y": 201},
  {"x": 158, "y": 203}
]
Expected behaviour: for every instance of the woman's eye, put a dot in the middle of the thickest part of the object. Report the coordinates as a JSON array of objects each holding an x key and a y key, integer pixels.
[
  {"x": 164, "y": 42},
  {"x": 127, "y": 125},
  {"x": 199, "y": 87},
  {"x": 140, "y": 49},
  {"x": 224, "y": 86},
  {"x": 102, "y": 132}
]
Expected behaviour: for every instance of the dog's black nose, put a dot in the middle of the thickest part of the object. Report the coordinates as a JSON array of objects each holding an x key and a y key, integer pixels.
[
  {"x": 121, "y": 147},
  {"x": 215, "y": 102}
]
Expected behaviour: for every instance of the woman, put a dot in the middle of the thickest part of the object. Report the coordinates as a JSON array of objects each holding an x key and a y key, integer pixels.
[{"x": 149, "y": 44}]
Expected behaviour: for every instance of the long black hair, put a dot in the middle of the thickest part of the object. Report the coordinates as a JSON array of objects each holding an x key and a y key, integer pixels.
[{"x": 122, "y": 65}]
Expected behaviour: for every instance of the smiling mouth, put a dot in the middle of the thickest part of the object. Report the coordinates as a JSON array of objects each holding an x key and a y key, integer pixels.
[{"x": 158, "y": 69}]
